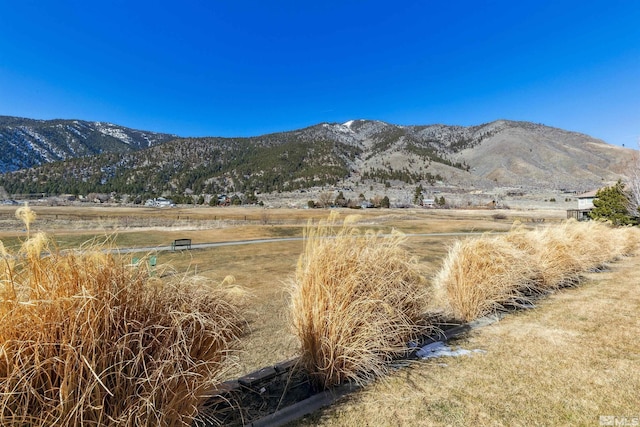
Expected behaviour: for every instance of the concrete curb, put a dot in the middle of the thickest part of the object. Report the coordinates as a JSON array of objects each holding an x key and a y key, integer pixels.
[
  {"x": 304, "y": 407},
  {"x": 258, "y": 387}
]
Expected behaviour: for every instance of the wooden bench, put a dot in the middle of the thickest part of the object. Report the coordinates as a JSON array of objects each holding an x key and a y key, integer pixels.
[{"x": 181, "y": 243}]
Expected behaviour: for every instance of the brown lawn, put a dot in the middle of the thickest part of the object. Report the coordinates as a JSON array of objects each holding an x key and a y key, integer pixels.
[
  {"x": 569, "y": 361},
  {"x": 573, "y": 358}
]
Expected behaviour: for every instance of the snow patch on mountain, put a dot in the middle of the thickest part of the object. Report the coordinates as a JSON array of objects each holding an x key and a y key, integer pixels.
[
  {"x": 110, "y": 130},
  {"x": 76, "y": 131},
  {"x": 40, "y": 144}
]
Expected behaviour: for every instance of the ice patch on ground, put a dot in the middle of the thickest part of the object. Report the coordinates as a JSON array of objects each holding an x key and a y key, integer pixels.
[{"x": 439, "y": 349}]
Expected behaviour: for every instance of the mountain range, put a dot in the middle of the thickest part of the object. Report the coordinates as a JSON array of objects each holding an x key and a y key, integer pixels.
[
  {"x": 78, "y": 157},
  {"x": 25, "y": 143}
]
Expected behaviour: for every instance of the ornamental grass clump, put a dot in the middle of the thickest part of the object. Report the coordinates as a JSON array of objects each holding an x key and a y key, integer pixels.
[
  {"x": 482, "y": 275},
  {"x": 554, "y": 259},
  {"x": 628, "y": 240},
  {"x": 86, "y": 339},
  {"x": 563, "y": 252},
  {"x": 356, "y": 301},
  {"x": 485, "y": 274}
]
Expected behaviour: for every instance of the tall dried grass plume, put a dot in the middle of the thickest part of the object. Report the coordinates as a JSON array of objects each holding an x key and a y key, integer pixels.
[
  {"x": 26, "y": 215},
  {"x": 482, "y": 275},
  {"x": 87, "y": 339},
  {"x": 356, "y": 300}
]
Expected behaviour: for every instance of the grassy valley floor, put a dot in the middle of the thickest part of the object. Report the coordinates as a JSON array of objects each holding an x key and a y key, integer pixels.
[{"x": 569, "y": 361}]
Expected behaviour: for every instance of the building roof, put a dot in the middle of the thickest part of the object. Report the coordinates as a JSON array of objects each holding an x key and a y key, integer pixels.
[{"x": 588, "y": 195}]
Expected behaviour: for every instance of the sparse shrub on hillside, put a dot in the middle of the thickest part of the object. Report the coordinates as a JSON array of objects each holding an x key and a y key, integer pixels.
[
  {"x": 356, "y": 300},
  {"x": 86, "y": 339}
]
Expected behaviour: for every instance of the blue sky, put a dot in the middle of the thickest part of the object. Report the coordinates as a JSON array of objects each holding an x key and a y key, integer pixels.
[{"x": 242, "y": 68}]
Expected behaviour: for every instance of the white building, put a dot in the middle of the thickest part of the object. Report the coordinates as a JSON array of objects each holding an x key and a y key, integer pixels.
[
  {"x": 160, "y": 202},
  {"x": 585, "y": 205},
  {"x": 585, "y": 201}
]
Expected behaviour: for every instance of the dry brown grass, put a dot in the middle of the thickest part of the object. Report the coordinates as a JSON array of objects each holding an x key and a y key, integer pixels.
[
  {"x": 87, "y": 340},
  {"x": 356, "y": 301},
  {"x": 481, "y": 275},
  {"x": 564, "y": 251},
  {"x": 567, "y": 362},
  {"x": 260, "y": 268}
]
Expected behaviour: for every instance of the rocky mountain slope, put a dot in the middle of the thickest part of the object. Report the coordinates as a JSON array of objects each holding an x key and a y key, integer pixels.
[
  {"x": 501, "y": 153},
  {"x": 526, "y": 154},
  {"x": 25, "y": 143}
]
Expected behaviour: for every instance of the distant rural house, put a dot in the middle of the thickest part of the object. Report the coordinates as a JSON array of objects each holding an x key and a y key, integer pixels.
[
  {"x": 160, "y": 202},
  {"x": 98, "y": 197},
  {"x": 585, "y": 205},
  {"x": 428, "y": 203}
]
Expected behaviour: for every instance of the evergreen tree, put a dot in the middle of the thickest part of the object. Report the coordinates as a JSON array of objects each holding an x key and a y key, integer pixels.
[
  {"x": 385, "y": 202},
  {"x": 611, "y": 204},
  {"x": 417, "y": 196}
]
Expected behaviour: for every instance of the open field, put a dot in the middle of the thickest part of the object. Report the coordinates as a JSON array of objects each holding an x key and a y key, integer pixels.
[
  {"x": 263, "y": 269},
  {"x": 529, "y": 351},
  {"x": 140, "y": 226}
]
